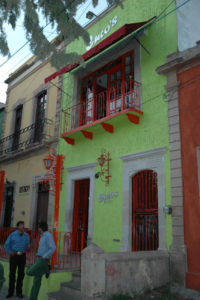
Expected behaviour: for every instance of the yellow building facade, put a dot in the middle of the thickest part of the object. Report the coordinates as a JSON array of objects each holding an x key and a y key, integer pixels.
[{"x": 30, "y": 130}]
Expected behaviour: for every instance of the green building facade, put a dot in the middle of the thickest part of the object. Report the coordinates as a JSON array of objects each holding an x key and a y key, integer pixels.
[{"x": 115, "y": 103}]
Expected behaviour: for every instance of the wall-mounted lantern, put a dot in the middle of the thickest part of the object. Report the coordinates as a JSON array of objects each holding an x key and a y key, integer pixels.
[
  {"x": 53, "y": 168},
  {"x": 104, "y": 162},
  {"x": 49, "y": 160}
]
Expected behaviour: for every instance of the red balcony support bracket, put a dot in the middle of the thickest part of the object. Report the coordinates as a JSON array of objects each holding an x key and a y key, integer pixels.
[
  {"x": 133, "y": 118},
  {"x": 69, "y": 140},
  {"x": 87, "y": 134},
  {"x": 109, "y": 128}
]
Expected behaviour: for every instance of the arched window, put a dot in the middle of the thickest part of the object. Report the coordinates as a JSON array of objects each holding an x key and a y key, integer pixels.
[{"x": 145, "y": 211}]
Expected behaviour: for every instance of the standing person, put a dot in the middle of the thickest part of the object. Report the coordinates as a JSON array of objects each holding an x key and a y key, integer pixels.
[
  {"x": 45, "y": 250},
  {"x": 17, "y": 245}
]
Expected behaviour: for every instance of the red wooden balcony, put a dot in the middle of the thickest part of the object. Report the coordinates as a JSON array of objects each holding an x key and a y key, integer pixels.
[{"x": 122, "y": 98}]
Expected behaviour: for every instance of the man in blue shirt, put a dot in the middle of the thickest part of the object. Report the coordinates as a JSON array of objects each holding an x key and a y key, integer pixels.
[
  {"x": 17, "y": 245},
  {"x": 45, "y": 250}
]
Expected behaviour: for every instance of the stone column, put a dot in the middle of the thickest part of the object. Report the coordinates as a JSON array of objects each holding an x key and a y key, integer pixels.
[
  {"x": 178, "y": 253},
  {"x": 93, "y": 273},
  {"x": 178, "y": 259}
]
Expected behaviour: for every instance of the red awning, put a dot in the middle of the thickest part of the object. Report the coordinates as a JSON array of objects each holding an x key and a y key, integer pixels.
[{"x": 113, "y": 38}]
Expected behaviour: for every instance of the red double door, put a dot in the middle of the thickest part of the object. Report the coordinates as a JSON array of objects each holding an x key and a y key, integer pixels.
[{"x": 80, "y": 214}]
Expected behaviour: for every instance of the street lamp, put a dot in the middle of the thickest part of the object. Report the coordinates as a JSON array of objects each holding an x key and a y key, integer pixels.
[{"x": 48, "y": 161}]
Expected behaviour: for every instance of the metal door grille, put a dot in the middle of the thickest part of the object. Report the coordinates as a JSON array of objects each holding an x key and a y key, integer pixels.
[{"x": 145, "y": 211}]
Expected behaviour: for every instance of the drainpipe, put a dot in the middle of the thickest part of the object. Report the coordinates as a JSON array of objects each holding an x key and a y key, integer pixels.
[{"x": 59, "y": 166}]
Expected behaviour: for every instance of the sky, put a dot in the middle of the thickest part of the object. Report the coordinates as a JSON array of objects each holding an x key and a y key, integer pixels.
[{"x": 17, "y": 38}]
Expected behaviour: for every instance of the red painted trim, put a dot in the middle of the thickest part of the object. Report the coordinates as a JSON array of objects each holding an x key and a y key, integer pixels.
[
  {"x": 87, "y": 134},
  {"x": 108, "y": 127},
  {"x": 111, "y": 39},
  {"x": 132, "y": 118},
  {"x": 2, "y": 177},
  {"x": 80, "y": 215},
  {"x": 129, "y": 110},
  {"x": 69, "y": 140},
  {"x": 59, "y": 163}
]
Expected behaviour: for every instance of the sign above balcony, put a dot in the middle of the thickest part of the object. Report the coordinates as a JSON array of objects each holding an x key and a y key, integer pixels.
[
  {"x": 103, "y": 32},
  {"x": 107, "y": 42}
]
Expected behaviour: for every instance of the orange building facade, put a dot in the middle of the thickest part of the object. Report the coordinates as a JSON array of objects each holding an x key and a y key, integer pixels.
[
  {"x": 183, "y": 86},
  {"x": 189, "y": 110}
]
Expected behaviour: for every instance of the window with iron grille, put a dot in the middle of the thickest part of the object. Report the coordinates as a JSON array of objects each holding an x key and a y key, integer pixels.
[
  {"x": 40, "y": 116},
  {"x": 145, "y": 211}
]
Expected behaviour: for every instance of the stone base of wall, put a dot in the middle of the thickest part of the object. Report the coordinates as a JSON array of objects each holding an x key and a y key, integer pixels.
[
  {"x": 178, "y": 264},
  {"x": 105, "y": 274}
]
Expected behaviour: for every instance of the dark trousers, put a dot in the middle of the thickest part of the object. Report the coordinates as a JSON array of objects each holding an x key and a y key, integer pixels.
[
  {"x": 16, "y": 261},
  {"x": 37, "y": 270}
]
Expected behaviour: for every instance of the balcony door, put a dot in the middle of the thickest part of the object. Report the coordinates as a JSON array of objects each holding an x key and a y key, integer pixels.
[
  {"x": 108, "y": 90},
  {"x": 80, "y": 214},
  {"x": 18, "y": 120},
  {"x": 115, "y": 89},
  {"x": 101, "y": 96},
  {"x": 40, "y": 116}
]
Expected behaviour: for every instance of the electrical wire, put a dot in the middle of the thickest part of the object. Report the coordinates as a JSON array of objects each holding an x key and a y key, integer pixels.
[
  {"x": 69, "y": 74},
  {"x": 51, "y": 82},
  {"x": 13, "y": 67},
  {"x": 27, "y": 42},
  {"x": 22, "y": 60},
  {"x": 159, "y": 18}
]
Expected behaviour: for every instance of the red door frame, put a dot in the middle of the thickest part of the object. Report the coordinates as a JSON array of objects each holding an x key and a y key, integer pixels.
[
  {"x": 80, "y": 215},
  {"x": 58, "y": 183}
]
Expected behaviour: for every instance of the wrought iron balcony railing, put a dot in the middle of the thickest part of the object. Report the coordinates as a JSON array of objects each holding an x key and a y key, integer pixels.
[
  {"x": 27, "y": 137},
  {"x": 120, "y": 98}
]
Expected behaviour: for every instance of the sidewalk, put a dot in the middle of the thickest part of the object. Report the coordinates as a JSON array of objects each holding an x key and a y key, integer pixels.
[{"x": 4, "y": 292}]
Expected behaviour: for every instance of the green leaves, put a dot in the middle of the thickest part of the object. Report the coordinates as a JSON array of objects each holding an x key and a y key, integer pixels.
[
  {"x": 4, "y": 50},
  {"x": 57, "y": 13},
  {"x": 94, "y": 2}
]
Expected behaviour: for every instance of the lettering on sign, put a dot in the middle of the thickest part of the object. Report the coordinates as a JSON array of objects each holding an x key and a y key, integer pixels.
[
  {"x": 24, "y": 189},
  {"x": 107, "y": 198},
  {"x": 98, "y": 37}
]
